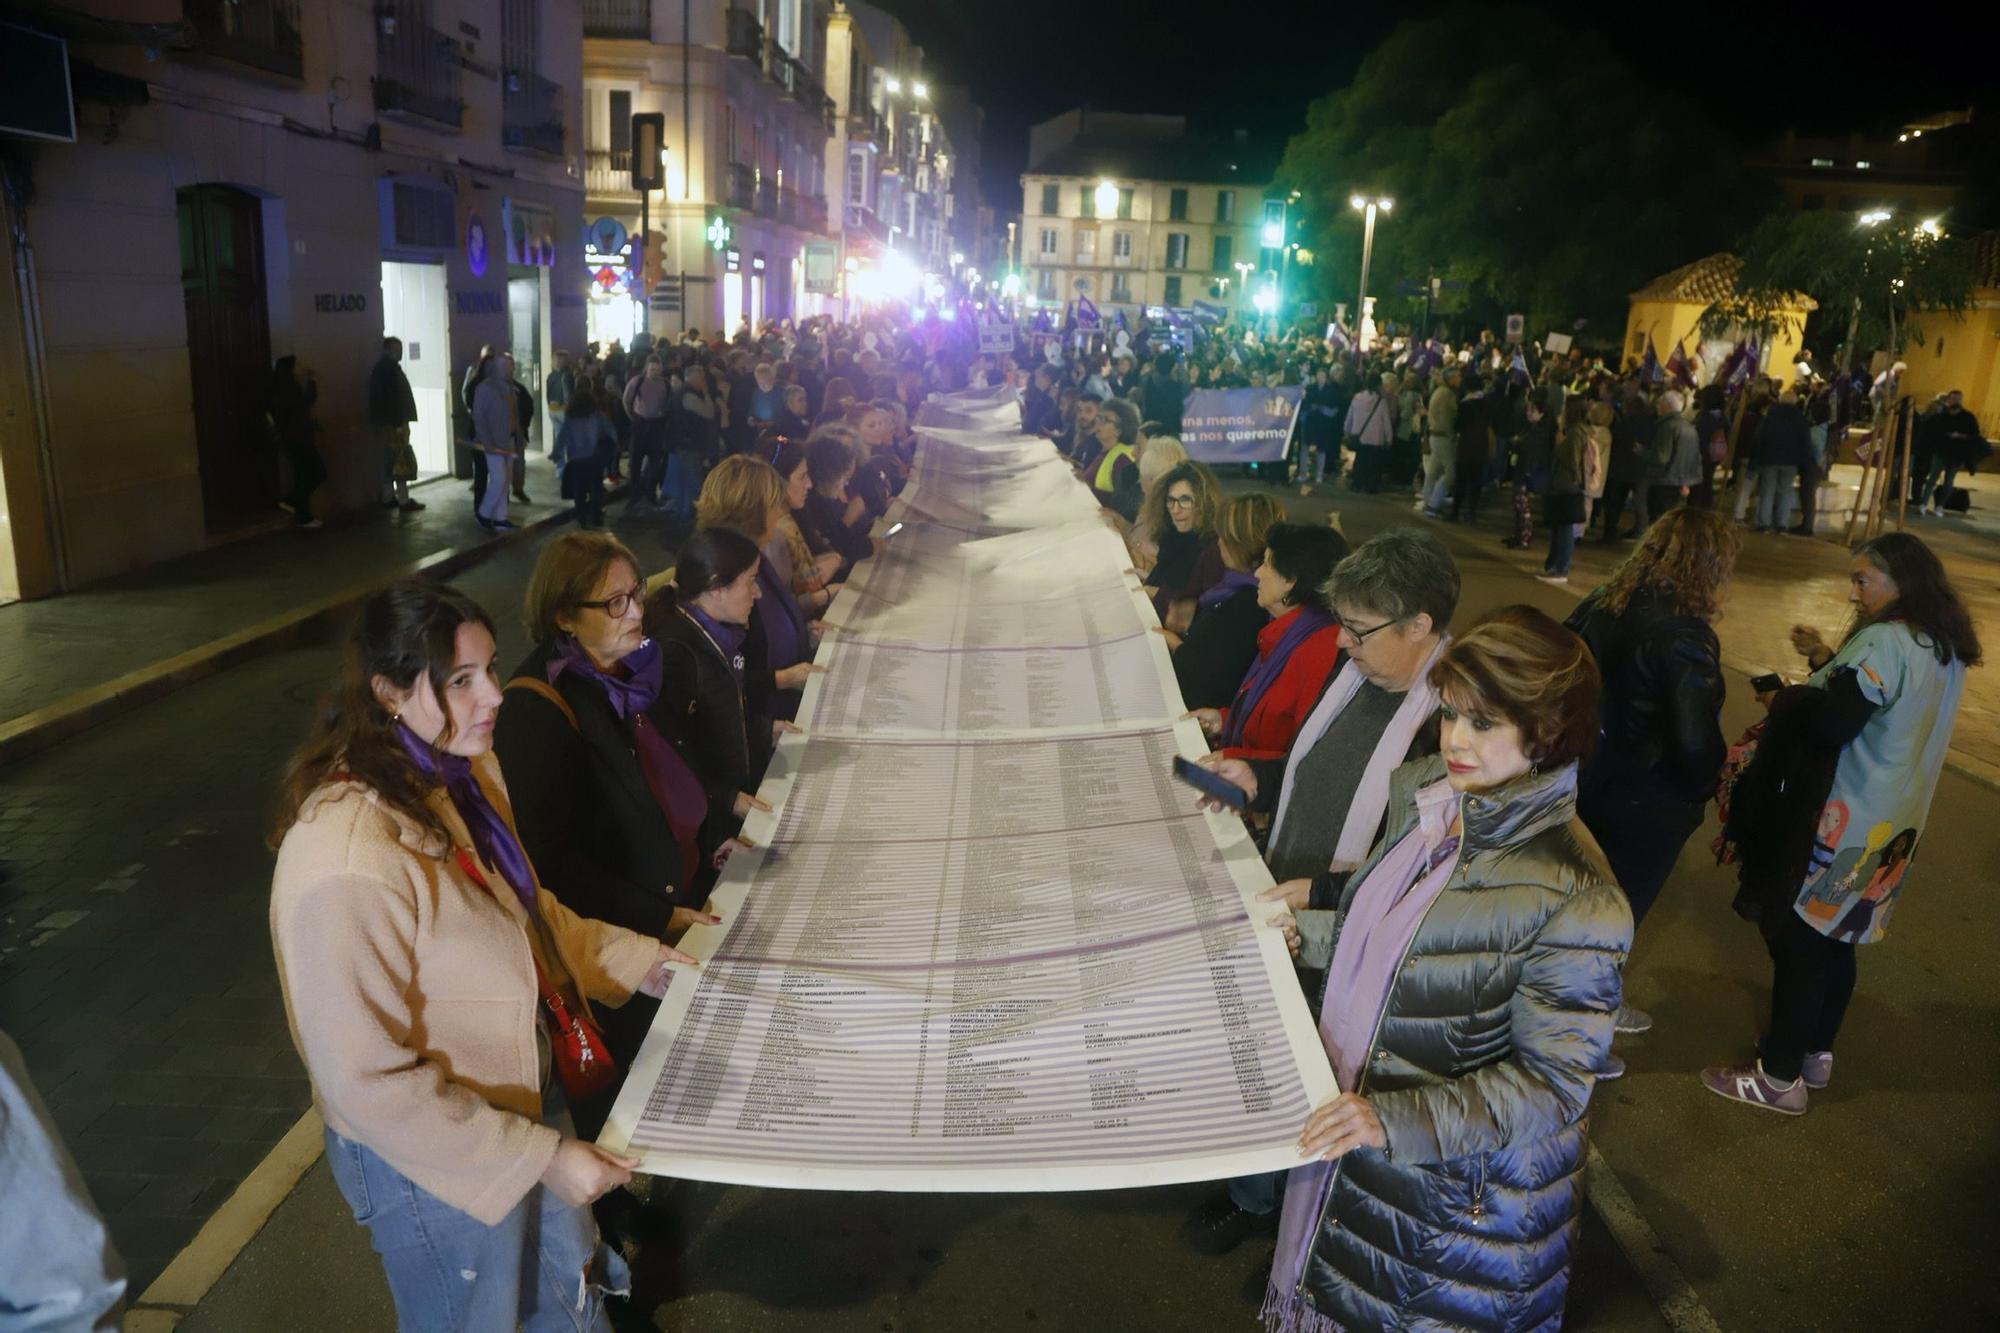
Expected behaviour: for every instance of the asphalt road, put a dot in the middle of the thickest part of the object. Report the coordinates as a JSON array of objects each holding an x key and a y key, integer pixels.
[{"x": 135, "y": 970}]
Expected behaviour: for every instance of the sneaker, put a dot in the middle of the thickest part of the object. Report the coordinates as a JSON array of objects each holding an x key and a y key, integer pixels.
[
  {"x": 1613, "y": 1067},
  {"x": 1219, "y": 1226},
  {"x": 502, "y": 525},
  {"x": 1631, "y": 1018},
  {"x": 1750, "y": 1085},
  {"x": 1556, "y": 579},
  {"x": 312, "y": 523},
  {"x": 1817, "y": 1071},
  {"x": 412, "y": 506}
]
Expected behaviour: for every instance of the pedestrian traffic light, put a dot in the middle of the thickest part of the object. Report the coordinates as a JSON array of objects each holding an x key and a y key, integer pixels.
[{"x": 649, "y": 151}]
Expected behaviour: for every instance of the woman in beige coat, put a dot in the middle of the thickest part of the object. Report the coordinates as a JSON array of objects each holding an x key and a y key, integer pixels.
[{"x": 436, "y": 991}]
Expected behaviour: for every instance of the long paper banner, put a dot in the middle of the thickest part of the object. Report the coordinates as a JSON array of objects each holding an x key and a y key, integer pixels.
[{"x": 986, "y": 941}]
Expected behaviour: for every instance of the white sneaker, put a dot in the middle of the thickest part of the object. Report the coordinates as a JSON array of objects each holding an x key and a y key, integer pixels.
[{"x": 1557, "y": 579}]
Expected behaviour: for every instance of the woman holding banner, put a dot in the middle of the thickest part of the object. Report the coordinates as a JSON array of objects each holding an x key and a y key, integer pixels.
[{"x": 1473, "y": 976}]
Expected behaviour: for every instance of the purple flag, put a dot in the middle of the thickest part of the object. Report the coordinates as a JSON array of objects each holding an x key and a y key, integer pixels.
[
  {"x": 1086, "y": 313},
  {"x": 1517, "y": 369},
  {"x": 1680, "y": 368}
]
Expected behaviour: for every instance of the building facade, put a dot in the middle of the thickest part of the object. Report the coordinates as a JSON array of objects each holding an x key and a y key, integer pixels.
[
  {"x": 263, "y": 178},
  {"x": 1182, "y": 222},
  {"x": 747, "y": 123},
  {"x": 916, "y": 164}
]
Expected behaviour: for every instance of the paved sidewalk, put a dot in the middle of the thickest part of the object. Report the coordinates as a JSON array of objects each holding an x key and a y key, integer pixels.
[{"x": 117, "y": 636}]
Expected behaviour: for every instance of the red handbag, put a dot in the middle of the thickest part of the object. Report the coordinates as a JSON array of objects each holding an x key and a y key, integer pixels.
[{"x": 582, "y": 1060}]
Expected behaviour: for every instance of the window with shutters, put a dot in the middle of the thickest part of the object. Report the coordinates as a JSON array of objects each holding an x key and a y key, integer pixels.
[
  {"x": 1086, "y": 246},
  {"x": 1051, "y": 200},
  {"x": 1121, "y": 286},
  {"x": 1225, "y": 205},
  {"x": 1173, "y": 294},
  {"x": 1225, "y": 248},
  {"x": 1121, "y": 245},
  {"x": 1125, "y": 202},
  {"x": 1048, "y": 240},
  {"x": 1177, "y": 249},
  {"x": 1177, "y": 205},
  {"x": 1045, "y": 284},
  {"x": 1086, "y": 201}
]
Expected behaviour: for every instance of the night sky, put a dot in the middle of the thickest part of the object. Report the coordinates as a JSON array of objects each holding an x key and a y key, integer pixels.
[{"x": 1231, "y": 66}]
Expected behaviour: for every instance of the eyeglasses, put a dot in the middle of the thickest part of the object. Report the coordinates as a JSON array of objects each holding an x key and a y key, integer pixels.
[
  {"x": 1180, "y": 502},
  {"x": 618, "y": 603},
  {"x": 1360, "y": 636}
]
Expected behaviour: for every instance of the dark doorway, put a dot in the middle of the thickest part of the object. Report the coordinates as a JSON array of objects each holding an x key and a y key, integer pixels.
[{"x": 229, "y": 353}]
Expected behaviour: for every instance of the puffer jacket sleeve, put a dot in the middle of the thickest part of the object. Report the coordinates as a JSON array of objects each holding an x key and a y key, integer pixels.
[
  {"x": 1688, "y": 674},
  {"x": 1561, "y": 1017}
]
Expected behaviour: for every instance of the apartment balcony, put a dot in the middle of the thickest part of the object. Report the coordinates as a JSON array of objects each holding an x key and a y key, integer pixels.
[
  {"x": 263, "y": 34},
  {"x": 788, "y": 207},
  {"x": 865, "y": 122},
  {"x": 531, "y": 116},
  {"x": 782, "y": 69},
  {"x": 767, "y": 197},
  {"x": 607, "y": 172},
  {"x": 741, "y": 187},
  {"x": 417, "y": 72},
  {"x": 865, "y": 221},
  {"x": 745, "y": 39},
  {"x": 812, "y": 214},
  {"x": 618, "y": 18}
]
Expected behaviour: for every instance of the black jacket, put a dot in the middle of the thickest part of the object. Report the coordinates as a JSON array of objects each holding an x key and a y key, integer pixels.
[
  {"x": 727, "y": 746},
  {"x": 1783, "y": 439},
  {"x": 586, "y": 816},
  {"x": 390, "y": 403},
  {"x": 823, "y": 517},
  {"x": 1219, "y": 649},
  {"x": 1660, "y": 729}
]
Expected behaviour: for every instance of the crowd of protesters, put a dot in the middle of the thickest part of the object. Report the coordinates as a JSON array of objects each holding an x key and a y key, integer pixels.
[{"x": 482, "y": 875}]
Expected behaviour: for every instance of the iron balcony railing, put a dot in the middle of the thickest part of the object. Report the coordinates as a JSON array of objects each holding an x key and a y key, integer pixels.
[
  {"x": 813, "y": 213},
  {"x": 531, "y": 115},
  {"x": 863, "y": 219},
  {"x": 617, "y": 18},
  {"x": 742, "y": 192},
  {"x": 263, "y": 34},
  {"x": 767, "y": 197},
  {"x": 417, "y": 71},
  {"x": 607, "y": 171}
]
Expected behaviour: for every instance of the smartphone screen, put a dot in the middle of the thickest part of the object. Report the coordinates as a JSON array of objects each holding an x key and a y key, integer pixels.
[{"x": 1206, "y": 782}]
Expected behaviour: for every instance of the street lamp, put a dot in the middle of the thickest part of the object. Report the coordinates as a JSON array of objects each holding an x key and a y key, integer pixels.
[
  {"x": 893, "y": 84},
  {"x": 1873, "y": 217},
  {"x": 1107, "y": 199},
  {"x": 1367, "y": 207},
  {"x": 920, "y": 90}
]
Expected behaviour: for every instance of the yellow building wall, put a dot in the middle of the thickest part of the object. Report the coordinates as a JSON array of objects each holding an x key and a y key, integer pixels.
[
  {"x": 1960, "y": 354},
  {"x": 1668, "y": 322}
]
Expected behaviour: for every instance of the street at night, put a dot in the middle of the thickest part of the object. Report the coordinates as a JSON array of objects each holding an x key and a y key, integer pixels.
[{"x": 582, "y": 585}]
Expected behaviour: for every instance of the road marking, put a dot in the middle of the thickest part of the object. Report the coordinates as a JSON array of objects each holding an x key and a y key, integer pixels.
[
  {"x": 203, "y": 1260},
  {"x": 1679, "y": 1304}
]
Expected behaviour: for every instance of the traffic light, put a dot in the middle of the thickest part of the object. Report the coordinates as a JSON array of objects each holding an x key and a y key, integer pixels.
[
  {"x": 649, "y": 151},
  {"x": 654, "y": 263}
]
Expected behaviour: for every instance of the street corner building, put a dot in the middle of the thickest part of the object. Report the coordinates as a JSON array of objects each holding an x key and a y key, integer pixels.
[{"x": 196, "y": 189}]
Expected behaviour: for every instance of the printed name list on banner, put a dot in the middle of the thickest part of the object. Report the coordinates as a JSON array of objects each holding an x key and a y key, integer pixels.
[{"x": 985, "y": 941}]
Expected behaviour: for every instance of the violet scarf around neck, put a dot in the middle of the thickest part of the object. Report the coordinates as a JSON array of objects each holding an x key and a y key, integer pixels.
[
  {"x": 492, "y": 837},
  {"x": 1232, "y": 582},
  {"x": 728, "y": 639},
  {"x": 1264, "y": 672}
]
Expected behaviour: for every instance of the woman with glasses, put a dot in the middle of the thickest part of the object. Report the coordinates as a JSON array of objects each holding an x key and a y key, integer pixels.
[
  {"x": 1178, "y": 517},
  {"x": 611, "y": 812}
]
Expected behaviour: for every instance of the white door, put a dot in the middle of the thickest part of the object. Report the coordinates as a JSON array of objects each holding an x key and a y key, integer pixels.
[{"x": 413, "y": 309}]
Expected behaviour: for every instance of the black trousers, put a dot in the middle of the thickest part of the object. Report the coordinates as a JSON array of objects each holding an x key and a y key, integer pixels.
[
  {"x": 478, "y": 477},
  {"x": 1642, "y": 837},
  {"x": 1465, "y": 495},
  {"x": 1808, "y": 497},
  {"x": 1612, "y": 507},
  {"x": 1369, "y": 462},
  {"x": 1812, "y": 979}
]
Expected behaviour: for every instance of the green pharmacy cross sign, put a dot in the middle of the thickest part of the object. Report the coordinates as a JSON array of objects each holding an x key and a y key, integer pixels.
[{"x": 719, "y": 234}]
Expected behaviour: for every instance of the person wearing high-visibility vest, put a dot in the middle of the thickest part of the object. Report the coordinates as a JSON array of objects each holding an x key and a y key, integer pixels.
[{"x": 1114, "y": 477}]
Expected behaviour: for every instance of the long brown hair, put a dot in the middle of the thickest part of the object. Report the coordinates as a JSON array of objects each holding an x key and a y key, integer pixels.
[
  {"x": 407, "y": 630},
  {"x": 1687, "y": 555}
]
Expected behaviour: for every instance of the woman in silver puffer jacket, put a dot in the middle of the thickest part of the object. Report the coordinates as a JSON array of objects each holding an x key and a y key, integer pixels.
[{"x": 1473, "y": 976}]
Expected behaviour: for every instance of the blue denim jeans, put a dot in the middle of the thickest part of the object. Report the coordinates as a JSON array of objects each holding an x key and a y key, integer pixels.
[
  {"x": 1261, "y": 1194},
  {"x": 1775, "y": 495},
  {"x": 683, "y": 484},
  {"x": 542, "y": 1266}
]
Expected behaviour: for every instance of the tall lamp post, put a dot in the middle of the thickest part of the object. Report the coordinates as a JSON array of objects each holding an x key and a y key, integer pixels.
[
  {"x": 1367, "y": 207},
  {"x": 1244, "y": 269}
]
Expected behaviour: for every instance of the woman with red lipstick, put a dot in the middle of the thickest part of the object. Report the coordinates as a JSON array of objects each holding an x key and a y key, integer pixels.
[
  {"x": 438, "y": 994},
  {"x": 1472, "y": 982}
]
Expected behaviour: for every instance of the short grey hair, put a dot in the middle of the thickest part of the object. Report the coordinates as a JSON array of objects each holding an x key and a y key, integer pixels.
[
  {"x": 1671, "y": 402},
  {"x": 1398, "y": 574}
]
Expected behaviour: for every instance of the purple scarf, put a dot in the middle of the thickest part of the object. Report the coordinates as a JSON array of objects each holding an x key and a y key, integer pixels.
[
  {"x": 1306, "y": 622},
  {"x": 676, "y": 789},
  {"x": 1232, "y": 582},
  {"x": 728, "y": 638},
  {"x": 491, "y": 837},
  {"x": 787, "y": 642}
]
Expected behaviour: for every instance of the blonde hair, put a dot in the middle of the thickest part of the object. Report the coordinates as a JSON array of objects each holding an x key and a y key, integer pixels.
[
  {"x": 1688, "y": 554},
  {"x": 740, "y": 493},
  {"x": 1244, "y": 524},
  {"x": 569, "y": 570},
  {"x": 1158, "y": 455}
]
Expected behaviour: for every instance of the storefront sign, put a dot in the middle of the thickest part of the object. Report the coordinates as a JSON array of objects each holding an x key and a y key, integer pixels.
[
  {"x": 475, "y": 245},
  {"x": 822, "y": 267},
  {"x": 720, "y": 233},
  {"x": 339, "y": 303},
  {"x": 1240, "y": 425},
  {"x": 733, "y": 260},
  {"x": 480, "y": 303},
  {"x": 606, "y": 235}
]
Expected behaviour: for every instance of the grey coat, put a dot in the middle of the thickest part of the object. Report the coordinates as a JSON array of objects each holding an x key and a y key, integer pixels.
[{"x": 1481, "y": 1071}]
